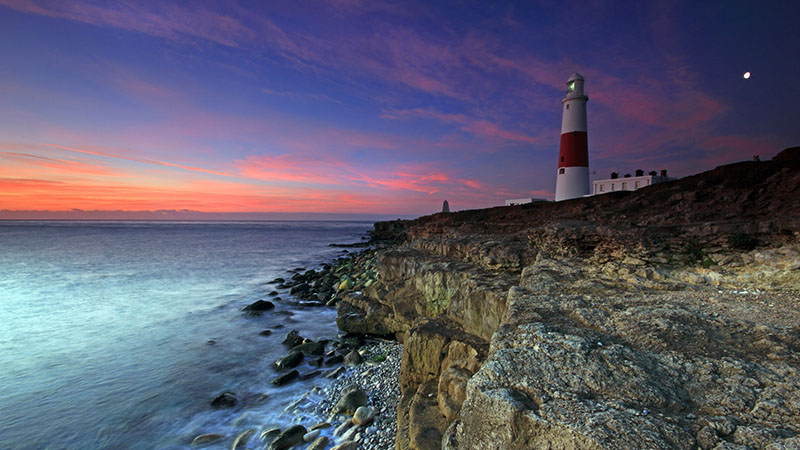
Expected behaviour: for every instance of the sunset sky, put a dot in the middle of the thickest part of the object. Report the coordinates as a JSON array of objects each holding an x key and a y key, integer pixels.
[{"x": 350, "y": 106}]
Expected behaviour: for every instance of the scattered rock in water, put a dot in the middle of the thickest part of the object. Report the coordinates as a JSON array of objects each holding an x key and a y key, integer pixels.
[
  {"x": 270, "y": 434},
  {"x": 353, "y": 358},
  {"x": 286, "y": 378},
  {"x": 258, "y": 307},
  {"x": 351, "y": 399},
  {"x": 321, "y": 426},
  {"x": 278, "y": 327},
  {"x": 363, "y": 415},
  {"x": 335, "y": 373},
  {"x": 310, "y": 375},
  {"x": 293, "y": 339},
  {"x": 289, "y": 438},
  {"x": 224, "y": 400},
  {"x": 273, "y": 293},
  {"x": 316, "y": 362},
  {"x": 277, "y": 280},
  {"x": 293, "y": 359},
  {"x": 310, "y": 348},
  {"x": 333, "y": 360},
  {"x": 265, "y": 333},
  {"x": 206, "y": 438},
  {"x": 311, "y": 435},
  {"x": 242, "y": 438},
  {"x": 319, "y": 444},
  {"x": 211, "y": 342},
  {"x": 299, "y": 288}
]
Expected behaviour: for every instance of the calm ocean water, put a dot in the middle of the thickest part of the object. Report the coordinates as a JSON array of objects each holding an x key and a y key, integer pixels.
[{"x": 104, "y": 328}]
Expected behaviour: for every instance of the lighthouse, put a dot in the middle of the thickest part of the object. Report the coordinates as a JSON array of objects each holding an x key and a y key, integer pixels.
[{"x": 572, "y": 180}]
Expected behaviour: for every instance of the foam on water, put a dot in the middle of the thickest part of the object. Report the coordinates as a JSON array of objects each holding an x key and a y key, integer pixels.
[{"x": 104, "y": 328}]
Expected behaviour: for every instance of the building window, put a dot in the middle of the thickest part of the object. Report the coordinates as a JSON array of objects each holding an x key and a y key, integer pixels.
[
  {"x": 601, "y": 188},
  {"x": 624, "y": 185},
  {"x": 561, "y": 171},
  {"x": 636, "y": 185},
  {"x": 562, "y": 159},
  {"x": 567, "y": 105},
  {"x": 612, "y": 186}
]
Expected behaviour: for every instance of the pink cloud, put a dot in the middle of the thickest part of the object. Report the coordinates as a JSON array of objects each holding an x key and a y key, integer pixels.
[
  {"x": 487, "y": 130},
  {"x": 162, "y": 20},
  {"x": 140, "y": 160},
  {"x": 36, "y": 163},
  {"x": 424, "y": 113}
]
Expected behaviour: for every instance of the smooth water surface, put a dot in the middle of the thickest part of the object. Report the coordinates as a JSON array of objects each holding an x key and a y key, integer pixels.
[{"x": 105, "y": 326}]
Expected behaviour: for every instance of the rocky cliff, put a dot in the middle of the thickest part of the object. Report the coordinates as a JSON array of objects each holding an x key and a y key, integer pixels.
[{"x": 662, "y": 318}]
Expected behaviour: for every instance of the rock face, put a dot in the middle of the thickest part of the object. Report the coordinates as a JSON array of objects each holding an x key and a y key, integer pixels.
[{"x": 661, "y": 318}]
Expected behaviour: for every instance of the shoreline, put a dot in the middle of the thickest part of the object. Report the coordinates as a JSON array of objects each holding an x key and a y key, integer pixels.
[{"x": 350, "y": 361}]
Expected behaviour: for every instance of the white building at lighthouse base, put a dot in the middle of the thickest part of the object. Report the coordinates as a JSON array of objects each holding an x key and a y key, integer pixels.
[{"x": 626, "y": 183}]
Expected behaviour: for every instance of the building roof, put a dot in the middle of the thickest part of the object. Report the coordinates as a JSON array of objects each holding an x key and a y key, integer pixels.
[{"x": 575, "y": 76}]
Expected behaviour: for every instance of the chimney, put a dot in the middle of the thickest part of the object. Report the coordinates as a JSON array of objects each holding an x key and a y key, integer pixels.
[
  {"x": 639, "y": 172},
  {"x": 614, "y": 175},
  {"x": 664, "y": 172},
  {"x": 652, "y": 173},
  {"x": 627, "y": 175}
]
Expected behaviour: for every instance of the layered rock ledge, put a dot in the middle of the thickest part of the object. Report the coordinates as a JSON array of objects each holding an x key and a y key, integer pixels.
[{"x": 662, "y": 318}]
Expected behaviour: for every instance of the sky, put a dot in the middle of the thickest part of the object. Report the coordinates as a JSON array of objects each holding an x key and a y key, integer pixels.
[{"x": 369, "y": 107}]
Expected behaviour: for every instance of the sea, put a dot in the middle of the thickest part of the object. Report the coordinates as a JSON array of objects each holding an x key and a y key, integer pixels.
[{"x": 118, "y": 335}]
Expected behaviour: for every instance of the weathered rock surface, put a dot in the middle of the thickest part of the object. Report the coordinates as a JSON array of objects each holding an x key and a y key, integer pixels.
[{"x": 661, "y": 318}]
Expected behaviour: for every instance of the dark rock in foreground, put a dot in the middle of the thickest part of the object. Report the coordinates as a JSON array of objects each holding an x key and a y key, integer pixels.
[
  {"x": 286, "y": 378},
  {"x": 289, "y": 438},
  {"x": 293, "y": 339},
  {"x": 293, "y": 359},
  {"x": 258, "y": 307},
  {"x": 224, "y": 400}
]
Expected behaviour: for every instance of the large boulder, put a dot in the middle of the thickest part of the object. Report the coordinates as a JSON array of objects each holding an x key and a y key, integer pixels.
[{"x": 350, "y": 399}]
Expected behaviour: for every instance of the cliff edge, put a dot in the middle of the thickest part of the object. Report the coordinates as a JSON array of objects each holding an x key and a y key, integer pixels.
[{"x": 662, "y": 318}]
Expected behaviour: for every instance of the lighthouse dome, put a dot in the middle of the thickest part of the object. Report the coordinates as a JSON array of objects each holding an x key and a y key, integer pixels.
[{"x": 575, "y": 76}]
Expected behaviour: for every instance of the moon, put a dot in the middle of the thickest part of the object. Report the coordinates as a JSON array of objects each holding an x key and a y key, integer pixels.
[{"x": 746, "y": 75}]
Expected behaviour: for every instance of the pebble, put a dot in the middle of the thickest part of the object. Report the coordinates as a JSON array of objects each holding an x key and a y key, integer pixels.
[
  {"x": 207, "y": 438},
  {"x": 363, "y": 415},
  {"x": 350, "y": 434},
  {"x": 242, "y": 438},
  {"x": 311, "y": 435},
  {"x": 342, "y": 428}
]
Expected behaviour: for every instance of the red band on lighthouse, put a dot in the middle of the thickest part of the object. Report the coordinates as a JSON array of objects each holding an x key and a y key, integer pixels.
[{"x": 574, "y": 150}]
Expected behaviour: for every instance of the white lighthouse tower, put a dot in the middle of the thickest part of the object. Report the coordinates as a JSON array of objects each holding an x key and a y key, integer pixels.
[{"x": 572, "y": 180}]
